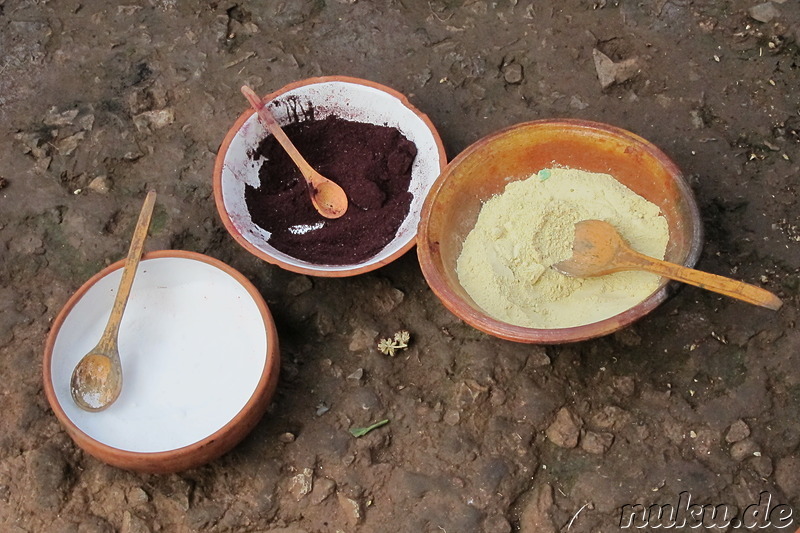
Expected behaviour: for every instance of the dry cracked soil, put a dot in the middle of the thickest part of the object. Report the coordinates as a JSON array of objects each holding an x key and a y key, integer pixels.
[{"x": 101, "y": 101}]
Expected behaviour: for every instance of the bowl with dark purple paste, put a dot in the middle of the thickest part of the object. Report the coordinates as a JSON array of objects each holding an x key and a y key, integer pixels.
[{"x": 368, "y": 138}]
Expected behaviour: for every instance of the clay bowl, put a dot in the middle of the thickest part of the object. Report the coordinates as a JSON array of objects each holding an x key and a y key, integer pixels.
[
  {"x": 349, "y": 98},
  {"x": 485, "y": 168},
  {"x": 199, "y": 355}
]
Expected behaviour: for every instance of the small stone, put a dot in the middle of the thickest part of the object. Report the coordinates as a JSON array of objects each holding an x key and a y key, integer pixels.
[
  {"x": 69, "y": 144},
  {"x": 765, "y": 12},
  {"x": 362, "y": 339},
  {"x": 154, "y": 120},
  {"x": 597, "y": 443},
  {"x": 535, "y": 516},
  {"x": 54, "y": 117},
  {"x": 565, "y": 429},
  {"x": 298, "y": 285},
  {"x": 3, "y": 183},
  {"x": 738, "y": 431},
  {"x": 452, "y": 417},
  {"x": 352, "y": 509},
  {"x": 137, "y": 496},
  {"x": 743, "y": 449},
  {"x": 133, "y": 524},
  {"x": 762, "y": 465},
  {"x": 100, "y": 184},
  {"x": 357, "y": 375},
  {"x": 287, "y": 437},
  {"x": 301, "y": 484},
  {"x": 387, "y": 301},
  {"x": 575, "y": 102},
  {"x": 323, "y": 488},
  {"x": 513, "y": 73},
  {"x": 611, "y": 417},
  {"x": 609, "y": 72}
]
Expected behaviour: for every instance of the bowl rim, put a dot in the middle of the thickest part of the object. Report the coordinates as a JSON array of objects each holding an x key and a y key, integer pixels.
[
  {"x": 197, "y": 453},
  {"x": 311, "y": 271},
  {"x": 497, "y": 328}
]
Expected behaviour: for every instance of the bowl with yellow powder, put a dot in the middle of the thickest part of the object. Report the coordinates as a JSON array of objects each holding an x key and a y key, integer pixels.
[{"x": 503, "y": 212}]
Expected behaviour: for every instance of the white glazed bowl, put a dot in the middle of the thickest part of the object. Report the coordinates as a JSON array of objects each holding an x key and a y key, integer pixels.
[
  {"x": 199, "y": 358},
  {"x": 349, "y": 98}
]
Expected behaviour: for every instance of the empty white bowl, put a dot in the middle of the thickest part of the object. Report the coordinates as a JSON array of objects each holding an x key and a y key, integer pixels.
[
  {"x": 199, "y": 358},
  {"x": 348, "y": 98}
]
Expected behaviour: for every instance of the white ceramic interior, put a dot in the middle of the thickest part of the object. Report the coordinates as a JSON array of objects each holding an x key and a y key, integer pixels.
[
  {"x": 351, "y": 101},
  {"x": 193, "y": 345}
]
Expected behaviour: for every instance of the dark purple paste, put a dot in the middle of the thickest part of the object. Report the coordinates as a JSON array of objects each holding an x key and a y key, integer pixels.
[{"x": 371, "y": 163}]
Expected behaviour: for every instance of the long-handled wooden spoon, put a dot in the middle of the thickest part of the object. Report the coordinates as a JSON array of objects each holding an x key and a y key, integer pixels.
[
  {"x": 328, "y": 198},
  {"x": 97, "y": 379},
  {"x": 599, "y": 249}
]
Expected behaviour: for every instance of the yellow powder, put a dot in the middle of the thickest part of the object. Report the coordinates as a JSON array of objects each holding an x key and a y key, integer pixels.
[{"x": 505, "y": 262}]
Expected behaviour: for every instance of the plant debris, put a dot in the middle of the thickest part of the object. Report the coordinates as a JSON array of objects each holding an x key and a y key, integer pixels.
[
  {"x": 398, "y": 342},
  {"x": 360, "y": 432}
]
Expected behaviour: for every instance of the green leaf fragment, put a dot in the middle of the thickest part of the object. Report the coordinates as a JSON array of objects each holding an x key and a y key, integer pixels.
[{"x": 360, "y": 432}]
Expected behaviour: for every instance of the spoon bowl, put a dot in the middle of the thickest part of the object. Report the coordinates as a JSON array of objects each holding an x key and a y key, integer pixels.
[
  {"x": 97, "y": 378},
  {"x": 598, "y": 249},
  {"x": 328, "y": 198}
]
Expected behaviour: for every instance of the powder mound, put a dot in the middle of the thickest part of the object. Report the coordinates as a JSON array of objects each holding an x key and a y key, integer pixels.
[
  {"x": 371, "y": 163},
  {"x": 505, "y": 260}
]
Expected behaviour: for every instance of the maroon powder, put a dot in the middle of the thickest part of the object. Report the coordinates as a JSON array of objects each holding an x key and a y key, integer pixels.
[{"x": 371, "y": 163}]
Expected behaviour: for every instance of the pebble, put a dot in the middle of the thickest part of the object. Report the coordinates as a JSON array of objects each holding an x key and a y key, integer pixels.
[
  {"x": 597, "y": 443},
  {"x": 535, "y": 516},
  {"x": 565, "y": 429},
  {"x": 363, "y": 339},
  {"x": 357, "y": 375},
  {"x": 452, "y": 417},
  {"x": 137, "y": 496},
  {"x": 302, "y": 483},
  {"x": 100, "y": 184},
  {"x": 738, "y": 431},
  {"x": 153, "y": 120},
  {"x": 513, "y": 73},
  {"x": 133, "y": 524},
  {"x": 762, "y": 465},
  {"x": 743, "y": 449},
  {"x": 609, "y": 72},
  {"x": 287, "y": 437},
  {"x": 765, "y": 12},
  {"x": 352, "y": 508},
  {"x": 611, "y": 417},
  {"x": 323, "y": 488}
]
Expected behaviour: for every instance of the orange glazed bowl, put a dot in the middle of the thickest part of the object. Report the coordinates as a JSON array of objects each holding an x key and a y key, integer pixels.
[
  {"x": 515, "y": 153},
  {"x": 200, "y": 363},
  {"x": 351, "y": 99}
]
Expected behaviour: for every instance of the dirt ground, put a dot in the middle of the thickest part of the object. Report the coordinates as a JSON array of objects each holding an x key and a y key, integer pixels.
[{"x": 100, "y": 102}]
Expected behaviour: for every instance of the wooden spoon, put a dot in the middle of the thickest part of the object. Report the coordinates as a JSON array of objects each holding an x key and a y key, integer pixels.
[
  {"x": 328, "y": 198},
  {"x": 598, "y": 250},
  {"x": 97, "y": 379}
]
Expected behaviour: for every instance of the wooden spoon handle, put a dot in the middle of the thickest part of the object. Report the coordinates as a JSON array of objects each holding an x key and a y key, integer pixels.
[
  {"x": 720, "y": 284},
  {"x": 275, "y": 129},
  {"x": 109, "y": 337}
]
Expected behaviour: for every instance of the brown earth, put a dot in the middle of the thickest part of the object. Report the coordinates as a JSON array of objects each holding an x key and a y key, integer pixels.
[{"x": 99, "y": 102}]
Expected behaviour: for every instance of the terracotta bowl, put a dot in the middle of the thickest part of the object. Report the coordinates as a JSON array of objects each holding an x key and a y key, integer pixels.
[
  {"x": 199, "y": 357},
  {"x": 485, "y": 168},
  {"x": 351, "y": 99}
]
